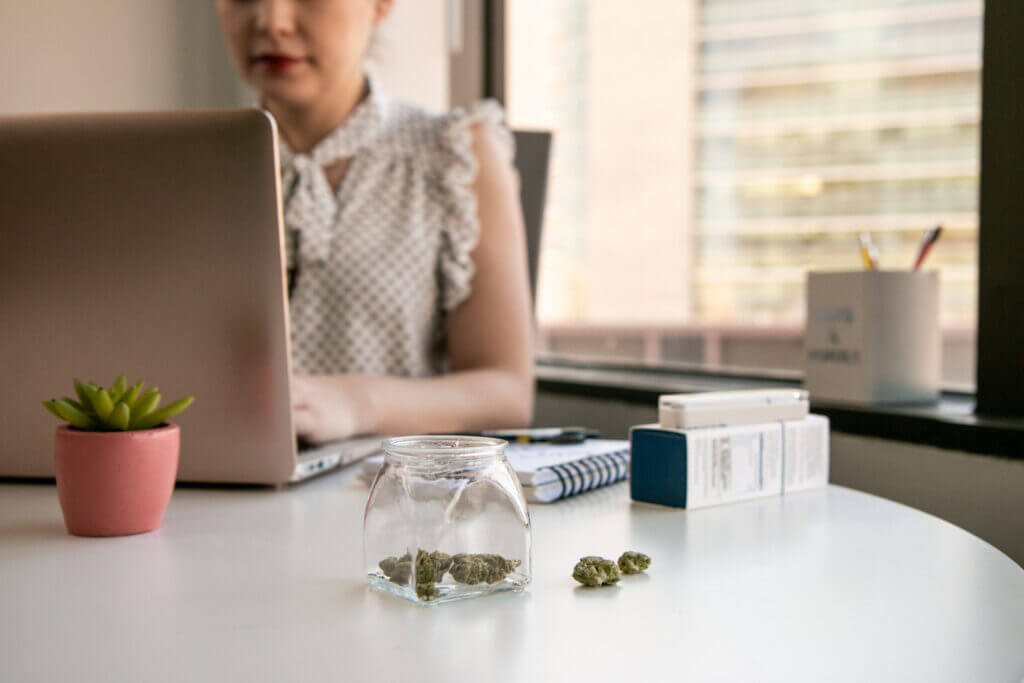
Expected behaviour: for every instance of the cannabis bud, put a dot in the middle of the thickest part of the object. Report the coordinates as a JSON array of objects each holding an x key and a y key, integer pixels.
[
  {"x": 426, "y": 591},
  {"x": 482, "y": 568},
  {"x": 596, "y": 571},
  {"x": 633, "y": 563},
  {"x": 397, "y": 569},
  {"x": 430, "y": 569}
]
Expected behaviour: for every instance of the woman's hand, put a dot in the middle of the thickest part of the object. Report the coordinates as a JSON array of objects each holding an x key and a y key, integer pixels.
[{"x": 328, "y": 407}]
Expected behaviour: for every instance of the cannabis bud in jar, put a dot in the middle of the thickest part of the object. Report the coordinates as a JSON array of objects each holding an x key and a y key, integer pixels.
[
  {"x": 453, "y": 492},
  {"x": 596, "y": 571},
  {"x": 633, "y": 563},
  {"x": 482, "y": 568},
  {"x": 430, "y": 568},
  {"x": 397, "y": 569}
]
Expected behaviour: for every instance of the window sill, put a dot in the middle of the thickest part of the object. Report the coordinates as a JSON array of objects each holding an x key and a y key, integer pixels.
[{"x": 949, "y": 424}]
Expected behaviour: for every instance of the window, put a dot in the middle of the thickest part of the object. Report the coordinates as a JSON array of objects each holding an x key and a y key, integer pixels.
[{"x": 708, "y": 153}]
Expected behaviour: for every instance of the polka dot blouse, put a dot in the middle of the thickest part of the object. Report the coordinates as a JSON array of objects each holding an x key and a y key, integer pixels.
[{"x": 378, "y": 263}]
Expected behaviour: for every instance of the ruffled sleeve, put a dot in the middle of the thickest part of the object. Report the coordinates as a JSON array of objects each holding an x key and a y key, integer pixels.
[{"x": 460, "y": 231}]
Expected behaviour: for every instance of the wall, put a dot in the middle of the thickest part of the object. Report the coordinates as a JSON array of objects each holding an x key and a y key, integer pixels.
[
  {"x": 410, "y": 53},
  {"x": 982, "y": 494},
  {"x": 75, "y": 55},
  {"x": 69, "y": 55}
]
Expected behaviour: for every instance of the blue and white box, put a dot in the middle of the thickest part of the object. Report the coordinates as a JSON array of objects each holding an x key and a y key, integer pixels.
[{"x": 714, "y": 465}]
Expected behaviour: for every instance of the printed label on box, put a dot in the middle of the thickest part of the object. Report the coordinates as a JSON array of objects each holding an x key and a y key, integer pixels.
[
  {"x": 806, "y": 453},
  {"x": 725, "y": 465}
]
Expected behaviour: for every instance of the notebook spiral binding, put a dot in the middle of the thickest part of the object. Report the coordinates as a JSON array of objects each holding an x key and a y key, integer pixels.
[{"x": 590, "y": 473}]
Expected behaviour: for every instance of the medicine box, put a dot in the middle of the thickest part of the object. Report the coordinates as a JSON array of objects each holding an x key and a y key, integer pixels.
[
  {"x": 805, "y": 454},
  {"x": 713, "y": 465}
]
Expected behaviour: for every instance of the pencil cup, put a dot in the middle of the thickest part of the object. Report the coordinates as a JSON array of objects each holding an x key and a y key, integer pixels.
[{"x": 873, "y": 336}]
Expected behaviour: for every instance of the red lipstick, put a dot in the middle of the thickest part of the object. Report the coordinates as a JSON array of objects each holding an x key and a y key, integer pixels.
[{"x": 277, "y": 64}]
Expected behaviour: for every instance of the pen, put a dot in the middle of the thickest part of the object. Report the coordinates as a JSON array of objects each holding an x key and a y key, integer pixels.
[
  {"x": 927, "y": 242},
  {"x": 555, "y": 435},
  {"x": 868, "y": 252}
]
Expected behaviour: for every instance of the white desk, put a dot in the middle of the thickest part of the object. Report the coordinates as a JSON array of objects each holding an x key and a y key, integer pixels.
[{"x": 257, "y": 585}]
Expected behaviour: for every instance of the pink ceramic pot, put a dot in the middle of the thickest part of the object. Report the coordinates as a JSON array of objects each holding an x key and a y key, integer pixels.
[{"x": 115, "y": 483}]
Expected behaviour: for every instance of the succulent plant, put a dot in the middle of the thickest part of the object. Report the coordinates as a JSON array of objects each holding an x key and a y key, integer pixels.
[{"x": 120, "y": 408}]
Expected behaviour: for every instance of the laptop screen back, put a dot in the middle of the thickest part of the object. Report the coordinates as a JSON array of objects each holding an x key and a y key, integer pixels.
[{"x": 148, "y": 244}]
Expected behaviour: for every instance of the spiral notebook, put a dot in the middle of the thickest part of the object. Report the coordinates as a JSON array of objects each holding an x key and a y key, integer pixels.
[{"x": 552, "y": 472}]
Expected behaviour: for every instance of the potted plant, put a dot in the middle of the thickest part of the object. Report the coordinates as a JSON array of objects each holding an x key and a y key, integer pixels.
[{"x": 116, "y": 459}]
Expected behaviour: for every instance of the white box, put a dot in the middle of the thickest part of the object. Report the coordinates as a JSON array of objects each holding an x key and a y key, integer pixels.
[
  {"x": 723, "y": 408},
  {"x": 805, "y": 454},
  {"x": 873, "y": 336}
]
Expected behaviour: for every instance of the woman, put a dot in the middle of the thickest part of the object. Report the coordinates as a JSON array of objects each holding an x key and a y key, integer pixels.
[{"x": 410, "y": 306}]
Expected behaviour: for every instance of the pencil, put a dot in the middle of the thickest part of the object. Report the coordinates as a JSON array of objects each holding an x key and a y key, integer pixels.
[
  {"x": 868, "y": 252},
  {"x": 927, "y": 242}
]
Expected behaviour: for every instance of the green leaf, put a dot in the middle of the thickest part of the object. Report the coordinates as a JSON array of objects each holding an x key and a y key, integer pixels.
[
  {"x": 119, "y": 416},
  {"x": 164, "y": 414},
  {"x": 84, "y": 393},
  {"x": 117, "y": 389},
  {"x": 50, "y": 407},
  {"x": 144, "y": 406},
  {"x": 73, "y": 415},
  {"x": 80, "y": 406},
  {"x": 132, "y": 394},
  {"x": 102, "y": 404}
]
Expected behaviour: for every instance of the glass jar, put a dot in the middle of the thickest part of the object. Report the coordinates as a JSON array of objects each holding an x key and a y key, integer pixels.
[{"x": 446, "y": 519}]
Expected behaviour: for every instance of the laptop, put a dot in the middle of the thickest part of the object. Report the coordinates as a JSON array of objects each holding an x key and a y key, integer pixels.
[{"x": 151, "y": 244}]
